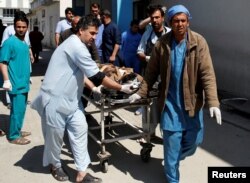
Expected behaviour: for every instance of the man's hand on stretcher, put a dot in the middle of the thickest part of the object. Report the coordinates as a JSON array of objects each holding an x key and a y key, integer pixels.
[
  {"x": 133, "y": 98},
  {"x": 97, "y": 89},
  {"x": 128, "y": 88}
]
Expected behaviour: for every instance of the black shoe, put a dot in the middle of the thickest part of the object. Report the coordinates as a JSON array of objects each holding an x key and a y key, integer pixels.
[
  {"x": 59, "y": 174},
  {"x": 9, "y": 106}
]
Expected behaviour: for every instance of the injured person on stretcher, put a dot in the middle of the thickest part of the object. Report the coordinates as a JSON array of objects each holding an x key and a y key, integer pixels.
[
  {"x": 121, "y": 75},
  {"x": 124, "y": 75}
]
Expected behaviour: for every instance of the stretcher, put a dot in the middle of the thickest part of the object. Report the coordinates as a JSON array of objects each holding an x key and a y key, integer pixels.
[{"x": 107, "y": 107}]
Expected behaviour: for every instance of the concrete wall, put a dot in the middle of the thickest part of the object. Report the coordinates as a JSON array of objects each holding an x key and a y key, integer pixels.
[
  {"x": 50, "y": 21},
  {"x": 63, "y": 5},
  {"x": 47, "y": 23},
  {"x": 225, "y": 25}
]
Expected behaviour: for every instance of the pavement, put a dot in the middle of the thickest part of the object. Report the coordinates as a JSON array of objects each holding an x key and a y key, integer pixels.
[{"x": 225, "y": 145}]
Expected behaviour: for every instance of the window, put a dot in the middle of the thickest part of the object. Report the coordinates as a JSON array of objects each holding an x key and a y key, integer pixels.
[
  {"x": 9, "y": 12},
  {"x": 43, "y": 13}
]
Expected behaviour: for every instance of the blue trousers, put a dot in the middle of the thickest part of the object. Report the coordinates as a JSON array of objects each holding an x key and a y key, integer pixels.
[
  {"x": 177, "y": 146},
  {"x": 17, "y": 112}
]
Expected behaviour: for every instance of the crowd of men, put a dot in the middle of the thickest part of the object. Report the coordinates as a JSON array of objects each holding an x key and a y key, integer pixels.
[{"x": 173, "y": 58}]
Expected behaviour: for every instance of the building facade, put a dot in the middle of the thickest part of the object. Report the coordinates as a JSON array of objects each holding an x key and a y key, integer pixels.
[
  {"x": 9, "y": 7},
  {"x": 223, "y": 23},
  {"x": 46, "y": 13}
]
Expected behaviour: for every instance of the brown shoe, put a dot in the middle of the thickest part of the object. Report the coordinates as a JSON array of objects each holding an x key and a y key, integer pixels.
[
  {"x": 25, "y": 134},
  {"x": 20, "y": 141}
]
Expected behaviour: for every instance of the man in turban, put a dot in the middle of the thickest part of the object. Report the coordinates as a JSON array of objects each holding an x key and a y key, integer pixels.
[{"x": 182, "y": 59}]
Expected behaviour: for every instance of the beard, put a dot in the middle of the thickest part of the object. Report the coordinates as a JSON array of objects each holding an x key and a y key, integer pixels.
[{"x": 156, "y": 26}]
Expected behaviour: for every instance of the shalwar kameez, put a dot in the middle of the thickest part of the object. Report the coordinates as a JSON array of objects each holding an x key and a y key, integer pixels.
[
  {"x": 181, "y": 133},
  {"x": 183, "y": 61},
  {"x": 58, "y": 102}
]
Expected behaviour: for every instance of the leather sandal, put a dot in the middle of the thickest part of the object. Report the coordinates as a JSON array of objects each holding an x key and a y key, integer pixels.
[
  {"x": 88, "y": 178},
  {"x": 20, "y": 141},
  {"x": 59, "y": 174},
  {"x": 25, "y": 134}
]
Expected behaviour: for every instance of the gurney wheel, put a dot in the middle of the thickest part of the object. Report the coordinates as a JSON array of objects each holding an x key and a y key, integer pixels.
[
  {"x": 145, "y": 154},
  {"x": 104, "y": 165}
]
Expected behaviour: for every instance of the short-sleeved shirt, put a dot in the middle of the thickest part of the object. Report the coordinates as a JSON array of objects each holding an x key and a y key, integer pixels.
[
  {"x": 130, "y": 42},
  {"x": 62, "y": 26},
  {"x": 63, "y": 82},
  {"x": 16, "y": 54},
  {"x": 10, "y": 31},
  {"x": 110, "y": 36}
]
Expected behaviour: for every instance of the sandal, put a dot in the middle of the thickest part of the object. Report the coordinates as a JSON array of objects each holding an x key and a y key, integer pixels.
[
  {"x": 2, "y": 133},
  {"x": 59, "y": 174},
  {"x": 88, "y": 178},
  {"x": 25, "y": 134},
  {"x": 20, "y": 141}
]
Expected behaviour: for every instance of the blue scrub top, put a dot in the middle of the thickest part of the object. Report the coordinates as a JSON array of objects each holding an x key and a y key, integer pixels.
[
  {"x": 130, "y": 42},
  {"x": 174, "y": 117},
  {"x": 16, "y": 54}
]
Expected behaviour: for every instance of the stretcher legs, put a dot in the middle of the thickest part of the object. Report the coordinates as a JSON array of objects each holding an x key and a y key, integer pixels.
[
  {"x": 104, "y": 157},
  {"x": 145, "y": 151},
  {"x": 146, "y": 147},
  {"x": 106, "y": 124}
]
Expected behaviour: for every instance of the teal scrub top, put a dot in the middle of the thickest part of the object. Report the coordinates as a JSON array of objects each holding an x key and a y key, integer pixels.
[{"x": 16, "y": 54}]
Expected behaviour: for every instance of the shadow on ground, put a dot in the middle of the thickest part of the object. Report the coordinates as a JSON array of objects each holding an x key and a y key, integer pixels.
[
  {"x": 39, "y": 68},
  {"x": 32, "y": 160},
  {"x": 4, "y": 123},
  {"x": 228, "y": 141},
  {"x": 125, "y": 160}
]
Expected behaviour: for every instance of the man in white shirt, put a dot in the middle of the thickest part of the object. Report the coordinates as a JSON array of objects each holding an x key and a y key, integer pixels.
[
  {"x": 155, "y": 30},
  {"x": 64, "y": 24}
]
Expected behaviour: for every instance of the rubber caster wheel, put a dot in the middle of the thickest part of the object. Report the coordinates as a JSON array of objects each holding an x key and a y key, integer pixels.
[
  {"x": 145, "y": 155},
  {"x": 104, "y": 166}
]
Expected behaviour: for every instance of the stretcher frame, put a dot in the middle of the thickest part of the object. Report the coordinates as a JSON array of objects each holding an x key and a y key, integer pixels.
[{"x": 106, "y": 106}]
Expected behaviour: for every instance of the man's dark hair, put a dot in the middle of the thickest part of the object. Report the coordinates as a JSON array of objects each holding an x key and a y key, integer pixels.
[
  {"x": 35, "y": 28},
  {"x": 153, "y": 8},
  {"x": 20, "y": 16},
  {"x": 106, "y": 13},
  {"x": 134, "y": 22},
  {"x": 95, "y": 5},
  {"x": 86, "y": 21},
  {"x": 67, "y": 10}
]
